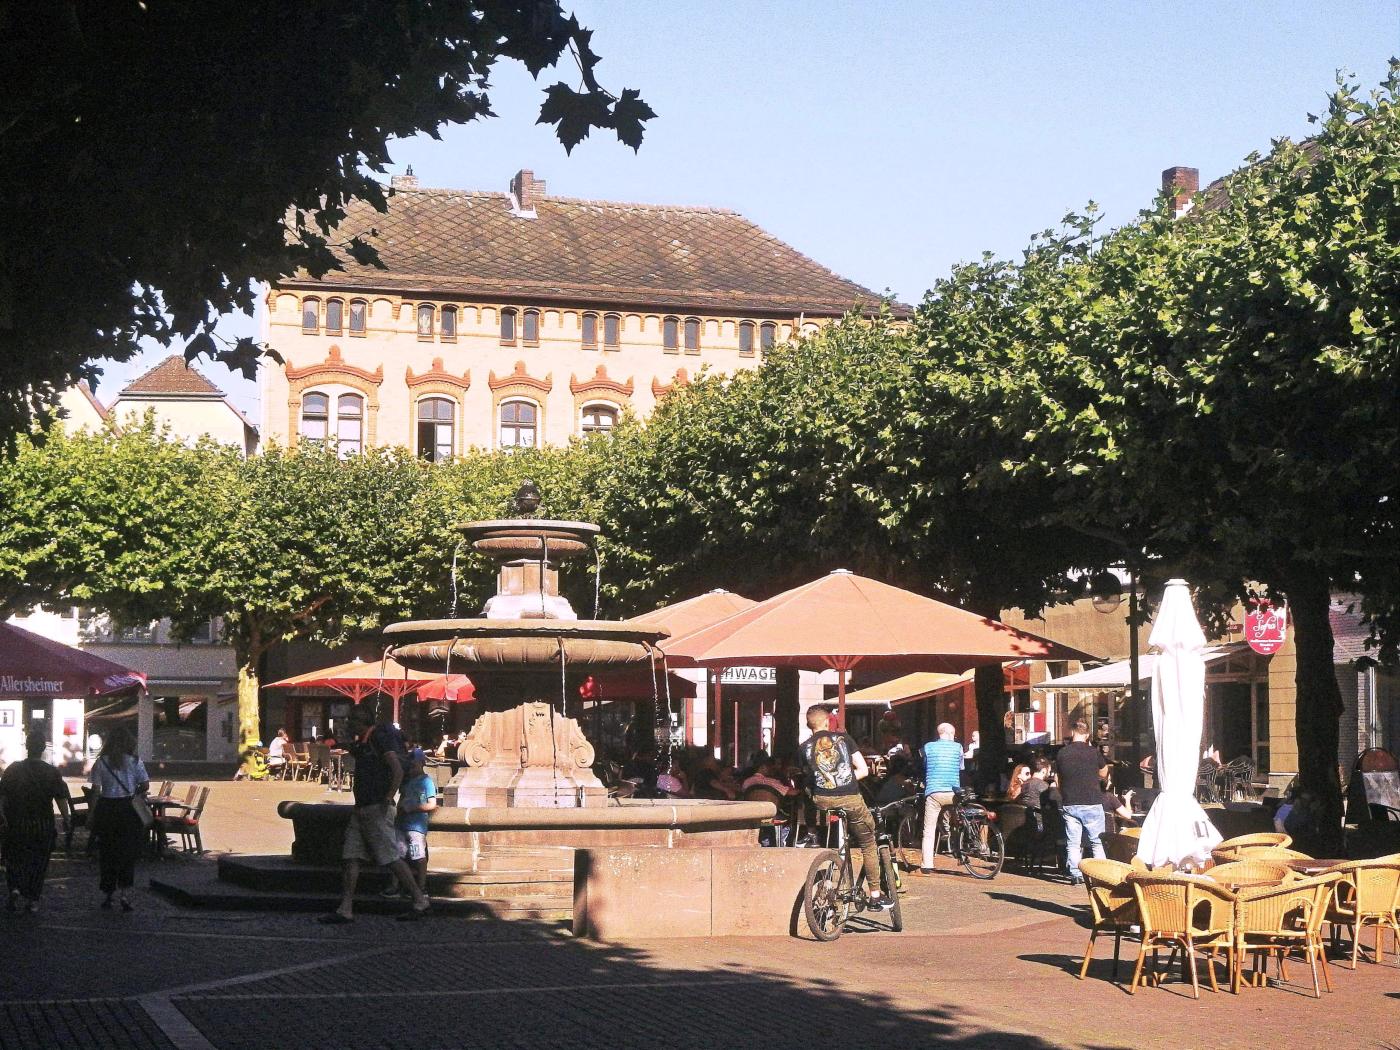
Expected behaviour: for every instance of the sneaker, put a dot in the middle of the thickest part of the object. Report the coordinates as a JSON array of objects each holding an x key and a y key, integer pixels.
[
  {"x": 925, "y": 871},
  {"x": 879, "y": 901},
  {"x": 392, "y": 893}
]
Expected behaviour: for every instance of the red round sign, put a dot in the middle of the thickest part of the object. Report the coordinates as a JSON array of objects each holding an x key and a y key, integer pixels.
[{"x": 1266, "y": 629}]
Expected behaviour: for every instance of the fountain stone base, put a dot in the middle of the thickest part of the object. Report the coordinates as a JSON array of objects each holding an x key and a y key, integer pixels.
[{"x": 527, "y": 756}]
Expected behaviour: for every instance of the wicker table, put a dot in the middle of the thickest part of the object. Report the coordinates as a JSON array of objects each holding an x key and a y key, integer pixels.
[{"x": 1310, "y": 867}]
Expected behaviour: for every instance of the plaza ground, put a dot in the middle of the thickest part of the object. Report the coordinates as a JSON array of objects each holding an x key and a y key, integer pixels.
[{"x": 979, "y": 965}]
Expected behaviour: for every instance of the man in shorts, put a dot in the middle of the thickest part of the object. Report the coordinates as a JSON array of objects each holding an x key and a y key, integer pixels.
[{"x": 369, "y": 835}]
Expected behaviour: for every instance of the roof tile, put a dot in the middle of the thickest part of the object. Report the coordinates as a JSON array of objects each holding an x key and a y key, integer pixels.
[{"x": 172, "y": 376}]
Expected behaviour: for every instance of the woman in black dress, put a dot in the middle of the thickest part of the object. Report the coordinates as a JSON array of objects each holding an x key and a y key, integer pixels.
[
  {"x": 118, "y": 776},
  {"x": 28, "y": 791}
]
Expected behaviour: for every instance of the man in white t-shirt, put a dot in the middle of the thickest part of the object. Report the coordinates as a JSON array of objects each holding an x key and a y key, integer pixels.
[{"x": 277, "y": 751}]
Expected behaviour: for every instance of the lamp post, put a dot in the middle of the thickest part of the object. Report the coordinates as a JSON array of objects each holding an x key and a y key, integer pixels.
[{"x": 1106, "y": 592}]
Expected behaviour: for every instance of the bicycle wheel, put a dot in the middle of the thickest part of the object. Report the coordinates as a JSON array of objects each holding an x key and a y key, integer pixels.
[
  {"x": 978, "y": 844},
  {"x": 907, "y": 838},
  {"x": 826, "y": 897},
  {"x": 889, "y": 879}
]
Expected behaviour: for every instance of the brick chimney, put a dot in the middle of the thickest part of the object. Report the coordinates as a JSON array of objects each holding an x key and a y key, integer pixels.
[
  {"x": 406, "y": 181},
  {"x": 527, "y": 190},
  {"x": 1180, "y": 185}
]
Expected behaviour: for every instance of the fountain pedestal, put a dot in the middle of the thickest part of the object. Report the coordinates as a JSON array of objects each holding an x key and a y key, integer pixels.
[{"x": 527, "y": 756}]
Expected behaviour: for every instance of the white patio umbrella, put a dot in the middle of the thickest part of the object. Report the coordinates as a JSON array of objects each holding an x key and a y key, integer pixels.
[{"x": 1177, "y": 828}]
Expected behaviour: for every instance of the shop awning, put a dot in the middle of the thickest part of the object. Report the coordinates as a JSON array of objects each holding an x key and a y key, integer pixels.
[
  {"x": 908, "y": 688},
  {"x": 33, "y": 667},
  {"x": 1117, "y": 675}
]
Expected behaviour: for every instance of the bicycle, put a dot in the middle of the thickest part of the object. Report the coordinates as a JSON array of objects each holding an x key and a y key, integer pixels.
[
  {"x": 967, "y": 832},
  {"x": 830, "y": 897}
]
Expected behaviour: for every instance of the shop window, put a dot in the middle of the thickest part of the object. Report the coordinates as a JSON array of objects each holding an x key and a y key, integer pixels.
[
  {"x": 519, "y": 424},
  {"x": 349, "y": 424},
  {"x": 435, "y": 419}
]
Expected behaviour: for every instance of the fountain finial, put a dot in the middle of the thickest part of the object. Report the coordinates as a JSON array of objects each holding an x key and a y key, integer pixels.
[{"x": 527, "y": 499}]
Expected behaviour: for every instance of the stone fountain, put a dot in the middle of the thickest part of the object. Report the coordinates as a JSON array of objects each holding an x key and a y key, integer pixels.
[{"x": 529, "y": 644}]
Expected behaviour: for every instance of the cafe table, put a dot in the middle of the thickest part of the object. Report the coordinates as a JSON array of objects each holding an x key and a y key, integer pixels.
[{"x": 1309, "y": 866}]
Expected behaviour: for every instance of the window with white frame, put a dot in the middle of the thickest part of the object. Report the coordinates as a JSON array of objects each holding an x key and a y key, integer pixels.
[
  {"x": 519, "y": 424},
  {"x": 349, "y": 424},
  {"x": 315, "y": 416},
  {"x": 436, "y": 416},
  {"x": 599, "y": 419}
]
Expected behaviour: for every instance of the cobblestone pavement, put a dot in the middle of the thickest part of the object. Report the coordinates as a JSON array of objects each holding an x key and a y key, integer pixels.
[{"x": 979, "y": 965}]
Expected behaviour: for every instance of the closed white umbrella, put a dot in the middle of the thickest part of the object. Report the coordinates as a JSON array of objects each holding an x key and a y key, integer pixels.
[{"x": 1177, "y": 828}]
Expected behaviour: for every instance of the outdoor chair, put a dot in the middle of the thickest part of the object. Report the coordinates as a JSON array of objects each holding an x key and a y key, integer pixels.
[
  {"x": 1132, "y": 833},
  {"x": 1277, "y": 854},
  {"x": 1187, "y": 912},
  {"x": 1208, "y": 781},
  {"x": 296, "y": 764},
  {"x": 1367, "y": 894},
  {"x": 1239, "y": 872},
  {"x": 1261, "y": 838},
  {"x": 166, "y": 787},
  {"x": 1281, "y": 920},
  {"x": 1238, "y": 776},
  {"x": 1119, "y": 847},
  {"x": 186, "y": 824},
  {"x": 81, "y": 817},
  {"x": 1112, "y": 905}
]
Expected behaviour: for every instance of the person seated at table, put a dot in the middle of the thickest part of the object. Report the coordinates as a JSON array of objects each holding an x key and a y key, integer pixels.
[
  {"x": 765, "y": 775},
  {"x": 899, "y": 781},
  {"x": 672, "y": 781},
  {"x": 1117, "y": 810},
  {"x": 446, "y": 747},
  {"x": 1016, "y": 784},
  {"x": 277, "y": 752},
  {"x": 891, "y": 744},
  {"x": 1033, "y": 789}
]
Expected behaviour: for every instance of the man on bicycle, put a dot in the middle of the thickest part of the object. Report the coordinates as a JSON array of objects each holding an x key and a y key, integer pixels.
[{"x": 833, "y": 765}]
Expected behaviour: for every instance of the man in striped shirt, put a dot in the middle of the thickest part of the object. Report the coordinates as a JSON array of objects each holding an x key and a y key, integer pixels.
[{"x": 943, "y": 763}]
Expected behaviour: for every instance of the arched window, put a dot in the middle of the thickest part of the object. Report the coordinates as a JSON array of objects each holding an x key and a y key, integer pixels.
[
  {"x": 349, "y": 424},
  {"x": 692, "y": 335},
  {"x": 590, "y": 331},
  {"x": 612, "y": 330},
  {"x": 599, "y": 419},
  {"x": 767, "y": 335},
  {"x": 508, "y": 326},
  {"x": 449, "y": 324},
  {"x": 670, "y": 335},
  {"x": 359, "y": 316},
  {"x": 335, "y": 316},
  {"x": 532, "y": 328},
  {"x": 311, "y": 315},
  {"x": 315, "y": 414},
  {"x": 745, "y": 338},
  {"x": 425, "y": 320},
  {"x": 519, "y": 424},
  {"x": 435, "y": 417}
]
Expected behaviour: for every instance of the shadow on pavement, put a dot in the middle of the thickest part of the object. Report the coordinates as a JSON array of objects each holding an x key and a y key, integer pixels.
[{"x": 1052, "y": 907}]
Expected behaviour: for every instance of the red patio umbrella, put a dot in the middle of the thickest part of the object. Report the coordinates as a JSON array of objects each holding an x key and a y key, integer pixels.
[
  {"x": 842, "y": 620},
  {"x": 359, "y": 679},
  {"x": 449, "y": 688},
  {"x": 33, "y": 667}
]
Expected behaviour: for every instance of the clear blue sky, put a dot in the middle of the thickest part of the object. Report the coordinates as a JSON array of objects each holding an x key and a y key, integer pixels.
[{"x": 889, "y": 141}]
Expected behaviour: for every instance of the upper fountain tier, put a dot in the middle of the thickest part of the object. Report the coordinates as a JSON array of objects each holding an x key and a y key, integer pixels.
[{"x": 527, "y": 623}]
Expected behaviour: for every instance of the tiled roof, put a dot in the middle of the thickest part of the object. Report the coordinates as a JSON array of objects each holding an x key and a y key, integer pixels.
[
  {"x": 445, "y": 242},
  {"x": 171, "y": 376},
  {"x": 1349, "y": 634}
]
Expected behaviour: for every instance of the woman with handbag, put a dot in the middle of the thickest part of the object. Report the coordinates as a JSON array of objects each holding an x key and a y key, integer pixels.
[
  {"x": 122, "y": 817},
  {"x": 28, "y": 791}
]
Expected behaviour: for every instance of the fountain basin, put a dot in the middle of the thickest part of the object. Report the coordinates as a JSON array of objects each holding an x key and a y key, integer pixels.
[{"x": 521, "y": 645}]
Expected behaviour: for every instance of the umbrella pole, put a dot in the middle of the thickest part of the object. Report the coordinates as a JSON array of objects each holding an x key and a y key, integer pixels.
[
  {"x": 717, "y": 697},
  {"x": 841, "y": 698}
]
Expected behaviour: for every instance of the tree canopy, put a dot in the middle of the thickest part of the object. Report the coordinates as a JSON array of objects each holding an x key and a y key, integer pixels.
[{"x": 160, "y": 158}]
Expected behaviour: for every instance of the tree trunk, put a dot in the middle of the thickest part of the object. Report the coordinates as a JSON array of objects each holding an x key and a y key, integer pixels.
[
  {"x": 1317, "y": 715},
  {"x": 786, "y": 715},
  {"x": 990, "y": 686},
  {"x": 249, "y": 729}
]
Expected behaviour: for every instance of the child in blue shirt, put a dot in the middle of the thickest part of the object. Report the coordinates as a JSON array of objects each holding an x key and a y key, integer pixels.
[{"x": 417, "y": 798}]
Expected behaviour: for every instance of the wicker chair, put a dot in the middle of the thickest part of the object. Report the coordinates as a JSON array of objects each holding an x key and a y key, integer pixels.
[
  {"x": 1112, "y": 905},
  {"x": 1261, "y": 838},
  {"x": 1368, "y": 894},
  {"x": 1184, "y": 911},
  {"x": 1281, "y": 920},
  {"x": 1274, "y": 854},
  {"x": 1249, "y": 870},
  {"x": 1132, "y": 833}
]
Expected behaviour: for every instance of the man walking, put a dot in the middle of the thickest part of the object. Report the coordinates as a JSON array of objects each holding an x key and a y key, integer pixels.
[
  {"x": 1078, "y": 769},
  {"x": 943, "y": 763},
  {"x": 834, "y": 765},
  {"x": 379, "y": 769}
]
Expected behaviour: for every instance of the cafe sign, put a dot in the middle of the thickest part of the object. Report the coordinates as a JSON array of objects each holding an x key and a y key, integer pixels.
[
  {"x": 1266, "y": 628},
  {"x": 749, "y": 676}
]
